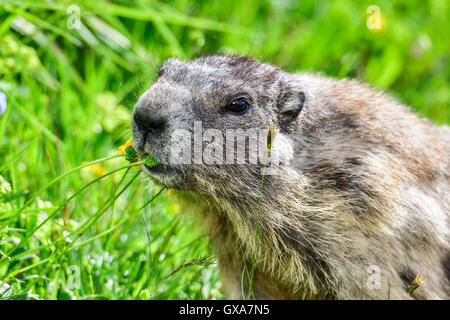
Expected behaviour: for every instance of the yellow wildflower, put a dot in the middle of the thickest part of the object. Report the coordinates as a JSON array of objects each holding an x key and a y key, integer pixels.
[
  {"x": 96, "y": 169},
  {"x": 271, "y": 133},
  {"x": 418, "y": 280},
  {"x": 125, "y": 145}
]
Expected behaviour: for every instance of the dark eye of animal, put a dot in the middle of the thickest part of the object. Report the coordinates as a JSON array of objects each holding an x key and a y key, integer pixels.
[{"x": 238, "y": 106}]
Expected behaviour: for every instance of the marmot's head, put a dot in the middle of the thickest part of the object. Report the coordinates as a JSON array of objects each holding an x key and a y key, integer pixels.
[{"x": 184, "y": 118}]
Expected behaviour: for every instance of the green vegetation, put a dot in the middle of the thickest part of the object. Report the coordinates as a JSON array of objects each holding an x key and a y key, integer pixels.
[{"x": 71, "y": 85}]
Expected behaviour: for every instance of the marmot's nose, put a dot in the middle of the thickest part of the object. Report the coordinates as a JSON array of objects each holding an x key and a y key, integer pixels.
[{"x": 147, "y": 121}]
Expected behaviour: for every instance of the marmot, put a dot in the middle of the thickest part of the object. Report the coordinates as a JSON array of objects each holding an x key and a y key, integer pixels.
[{"x": 358, "y": 207}]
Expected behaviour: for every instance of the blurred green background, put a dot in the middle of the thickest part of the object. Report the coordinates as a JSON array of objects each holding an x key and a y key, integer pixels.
[{"x": 72, "y": 71}]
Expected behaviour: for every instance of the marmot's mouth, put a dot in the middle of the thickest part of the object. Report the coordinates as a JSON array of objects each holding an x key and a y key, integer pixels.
[
  {"x": 157, "y": 168},
  {"x": 160, "y": 170},
  {"x": 164, "y": 175}
]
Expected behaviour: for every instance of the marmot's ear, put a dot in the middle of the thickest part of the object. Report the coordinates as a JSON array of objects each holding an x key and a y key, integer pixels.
[{"x": 290, "y": 101}]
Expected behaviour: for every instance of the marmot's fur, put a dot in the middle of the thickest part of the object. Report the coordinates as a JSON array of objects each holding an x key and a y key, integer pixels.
[{"x": 359, "y": 205}]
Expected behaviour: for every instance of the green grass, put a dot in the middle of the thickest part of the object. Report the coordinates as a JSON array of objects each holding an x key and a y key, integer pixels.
[{"x": 70, "y": 95}]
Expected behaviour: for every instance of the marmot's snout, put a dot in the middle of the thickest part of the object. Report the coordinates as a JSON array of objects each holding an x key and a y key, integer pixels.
[{"x": 147, "y": 121}]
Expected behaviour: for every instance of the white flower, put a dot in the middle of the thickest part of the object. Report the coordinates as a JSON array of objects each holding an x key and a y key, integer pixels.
[
  {"x": 65, "y": 234},
  {"x": 2, "y": 103},
  {"x": 5, "y": 187}
]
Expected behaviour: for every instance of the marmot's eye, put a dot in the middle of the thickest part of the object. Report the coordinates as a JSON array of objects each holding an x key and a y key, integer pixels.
[{"x": 238, "y": 106}]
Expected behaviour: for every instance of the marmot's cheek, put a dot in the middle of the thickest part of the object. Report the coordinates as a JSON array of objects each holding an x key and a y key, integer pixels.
[
  {"x": 178, "y": 149},
  {"x": 284, "y": 147},
  {"x": 281, "y": 153}
]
